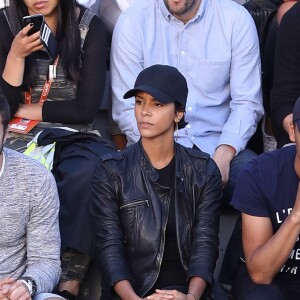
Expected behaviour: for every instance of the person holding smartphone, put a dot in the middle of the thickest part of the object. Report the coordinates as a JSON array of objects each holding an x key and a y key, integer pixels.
[
  {"x": 64, "y": 91},
  {"x": 268, "y": 195}
]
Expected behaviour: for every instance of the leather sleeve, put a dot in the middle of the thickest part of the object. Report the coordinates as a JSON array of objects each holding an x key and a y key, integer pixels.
[
  {"x": 204, "y": 249},
  {"x": 110, "y": 250}
]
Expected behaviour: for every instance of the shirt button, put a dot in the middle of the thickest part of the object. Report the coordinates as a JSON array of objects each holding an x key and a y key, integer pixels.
[
  {"x": 182, "y": 52},
  {"x": 190, "y": 108},
  {"x": 188, "y": 126},
  {"x": 193, "y": 138}
]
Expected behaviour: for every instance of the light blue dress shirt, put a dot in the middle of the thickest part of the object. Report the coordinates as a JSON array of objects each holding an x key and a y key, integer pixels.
[{"x": 218, "y": 53}]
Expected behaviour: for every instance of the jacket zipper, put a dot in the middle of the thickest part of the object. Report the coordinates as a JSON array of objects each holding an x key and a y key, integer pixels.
[{"x": 136, "y": 203}]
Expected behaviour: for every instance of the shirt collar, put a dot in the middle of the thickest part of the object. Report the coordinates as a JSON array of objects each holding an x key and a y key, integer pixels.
[{"x": 168, "y": 16}]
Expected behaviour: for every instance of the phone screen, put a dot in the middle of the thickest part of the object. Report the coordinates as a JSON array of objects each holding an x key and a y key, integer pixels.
[{"x": 37, "y": 21}]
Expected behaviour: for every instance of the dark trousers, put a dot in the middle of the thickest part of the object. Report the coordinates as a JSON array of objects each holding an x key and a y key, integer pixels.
[{"x": 245, "y": 289}]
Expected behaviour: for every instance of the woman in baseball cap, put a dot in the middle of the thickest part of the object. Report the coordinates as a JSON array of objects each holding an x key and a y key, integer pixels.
[{"x": 156, "y": 205}]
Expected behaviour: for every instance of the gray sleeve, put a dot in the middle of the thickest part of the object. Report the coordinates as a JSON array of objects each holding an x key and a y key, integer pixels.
[{"x": 43, "y": 237}]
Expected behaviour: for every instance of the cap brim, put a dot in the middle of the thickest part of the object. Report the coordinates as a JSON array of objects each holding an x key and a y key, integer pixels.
[{"x": 154, "y": 92}]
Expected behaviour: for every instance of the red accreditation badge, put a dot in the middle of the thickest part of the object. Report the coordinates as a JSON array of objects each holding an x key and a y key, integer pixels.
[{"x": 21, "y": 125}]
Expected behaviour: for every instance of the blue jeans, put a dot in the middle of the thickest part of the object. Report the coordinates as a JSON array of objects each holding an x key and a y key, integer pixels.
[{"x": 237, "y": 164}]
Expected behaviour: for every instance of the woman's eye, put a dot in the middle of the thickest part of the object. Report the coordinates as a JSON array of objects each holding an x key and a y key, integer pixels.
[
  {"x": 157, "y": 104},
  {"x": 138, "y": 101}
]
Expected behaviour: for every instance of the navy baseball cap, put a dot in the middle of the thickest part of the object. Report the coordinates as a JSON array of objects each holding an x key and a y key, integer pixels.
[
  {"x": 296, "y": 113},
  {"x": 164, "y": 83}
]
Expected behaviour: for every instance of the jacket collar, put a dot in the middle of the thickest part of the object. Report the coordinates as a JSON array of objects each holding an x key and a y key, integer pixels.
[{"x": 147, "y": 167}]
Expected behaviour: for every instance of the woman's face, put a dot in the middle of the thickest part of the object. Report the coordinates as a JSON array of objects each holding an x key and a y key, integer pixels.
[
  {"x": 154, "y": 119},
  {"x": 45, "y": 7}
]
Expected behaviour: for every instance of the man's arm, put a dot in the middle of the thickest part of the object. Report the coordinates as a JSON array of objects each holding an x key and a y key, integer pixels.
[
  {"x": 43, "y": 237},
  {"x": 246, "y": 107},
  {"x": 265, "y": 252},
  {"x": 126, "y": 64}
]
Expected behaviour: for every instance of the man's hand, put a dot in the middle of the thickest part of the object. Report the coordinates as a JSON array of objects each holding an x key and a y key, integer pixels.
[
  {"x": 13, "y": 290},
  {"x": 222, "y": 157},
  {"x": 4, "y": 284}
]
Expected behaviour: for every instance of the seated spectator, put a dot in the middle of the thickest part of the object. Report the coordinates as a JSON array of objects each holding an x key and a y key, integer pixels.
[
  {"x": 72, "y": 100},
  {"x": 286, "y": 87},
  {"x": 156, "y": 204},
  {"x": 222, "y": 69},
  {"x": 268, "y": 195},
  {"x": 266, "y": 18},
  {"x": 30, "y": 240}
]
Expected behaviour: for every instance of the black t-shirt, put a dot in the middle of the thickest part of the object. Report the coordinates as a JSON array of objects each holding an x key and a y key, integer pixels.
[{"x": 171, "y": 272}]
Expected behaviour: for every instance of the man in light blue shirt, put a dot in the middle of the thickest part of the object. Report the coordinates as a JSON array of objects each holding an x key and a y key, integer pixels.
[{"x": 214, "y": 45}]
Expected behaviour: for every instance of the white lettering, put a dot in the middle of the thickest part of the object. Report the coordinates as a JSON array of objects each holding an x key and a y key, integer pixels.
[
  {"x": 297, "y": 254},
  {"x": 278, "y": 218},
  {"x": 294, "y": 270}
]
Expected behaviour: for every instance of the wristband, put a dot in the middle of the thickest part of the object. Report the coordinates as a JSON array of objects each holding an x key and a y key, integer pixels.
[{"x": 192, "y": 294}]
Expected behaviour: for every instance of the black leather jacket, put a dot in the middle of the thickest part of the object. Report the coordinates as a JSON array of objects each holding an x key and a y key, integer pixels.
[{"x": 130, "y": 212}]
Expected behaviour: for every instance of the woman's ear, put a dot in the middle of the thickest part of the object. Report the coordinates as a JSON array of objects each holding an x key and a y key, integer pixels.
[
  {"x": 292, "y": 132},
  {"x": 179, "y": 116}
]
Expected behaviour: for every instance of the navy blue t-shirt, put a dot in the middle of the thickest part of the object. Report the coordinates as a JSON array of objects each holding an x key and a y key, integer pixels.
[{"x": 267, "y": 187}]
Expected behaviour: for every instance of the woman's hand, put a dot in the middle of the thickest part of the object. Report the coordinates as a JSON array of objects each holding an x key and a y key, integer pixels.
[
  {"x": 24, "y": 45},
  {"x": 30, "y": 111},
  {"x": 21, "y": 47},
  {"x": 167, "y": 295}
]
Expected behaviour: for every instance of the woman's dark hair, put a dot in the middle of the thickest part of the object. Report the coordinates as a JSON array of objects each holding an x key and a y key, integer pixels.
[
  {"x": 4, "y": 112},
  {"x": 179, "y": 108},
  {"x": 67, "y": 37}
]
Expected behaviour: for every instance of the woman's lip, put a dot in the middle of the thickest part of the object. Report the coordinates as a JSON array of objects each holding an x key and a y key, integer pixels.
[
  {"x": 145, "y": 124},
  {"x": 39, "y": 4}
]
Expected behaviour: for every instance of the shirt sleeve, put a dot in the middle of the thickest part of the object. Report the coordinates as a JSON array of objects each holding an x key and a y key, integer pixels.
[
  {"x": 248, "y": 196},
  {"x": 246, "y": 108},
  {"x": 126, "y": 64},
  {"x": 43, "y": 237},
  {"x": 83, "y": 109}
]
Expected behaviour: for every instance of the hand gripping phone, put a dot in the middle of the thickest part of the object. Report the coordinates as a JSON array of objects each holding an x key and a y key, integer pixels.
[
  {"x": 37, "y": 21},
  {"x": 47, "y": 37}
]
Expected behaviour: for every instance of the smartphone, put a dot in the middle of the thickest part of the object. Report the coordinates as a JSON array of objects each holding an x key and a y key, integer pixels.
[{"x": 37, "y": 21}]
